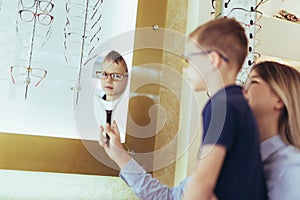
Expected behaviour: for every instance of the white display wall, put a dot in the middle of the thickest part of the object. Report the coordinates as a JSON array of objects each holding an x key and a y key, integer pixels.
[{"x": 48, "y": 108}]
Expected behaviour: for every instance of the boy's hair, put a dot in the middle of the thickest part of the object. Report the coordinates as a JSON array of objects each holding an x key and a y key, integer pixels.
[
  {"x": 285, "y": 82},
  {"x": 226, "y": 36},
  {"x": 115, "y": 57}
]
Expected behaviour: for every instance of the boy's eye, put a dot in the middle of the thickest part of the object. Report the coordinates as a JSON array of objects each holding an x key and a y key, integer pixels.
[
  {"x": 116, "y": 76},
  {"x": 104, "y": 74}
]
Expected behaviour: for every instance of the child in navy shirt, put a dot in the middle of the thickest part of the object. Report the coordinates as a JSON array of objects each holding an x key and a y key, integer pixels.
[{"x": 230, "y": 164}]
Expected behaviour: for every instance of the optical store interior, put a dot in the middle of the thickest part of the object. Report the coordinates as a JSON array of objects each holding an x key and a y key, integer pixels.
[{"x": 50, "y": 51}]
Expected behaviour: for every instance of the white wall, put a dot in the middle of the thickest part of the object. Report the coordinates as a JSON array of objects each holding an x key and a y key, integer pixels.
[
  {"x": 41, "y": 185},
  {"x": 48, "y": 109}
]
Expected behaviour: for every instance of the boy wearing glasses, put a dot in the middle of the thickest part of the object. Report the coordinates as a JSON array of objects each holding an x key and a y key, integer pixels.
[
  {"x": 112, "y": 75},
  {"x": 229, "y": 165}
]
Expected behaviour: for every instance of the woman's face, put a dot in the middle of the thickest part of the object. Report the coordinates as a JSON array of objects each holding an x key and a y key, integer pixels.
[{"x": 261, "y": 98}]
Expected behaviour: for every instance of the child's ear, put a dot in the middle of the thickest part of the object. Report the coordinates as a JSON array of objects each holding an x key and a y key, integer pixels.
[{"x": 215, "y": 58}]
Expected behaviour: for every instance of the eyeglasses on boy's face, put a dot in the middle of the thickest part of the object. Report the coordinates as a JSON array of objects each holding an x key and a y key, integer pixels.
[
  {"x": 114, "y": 76},
  {"x": 185, "y": 57}
]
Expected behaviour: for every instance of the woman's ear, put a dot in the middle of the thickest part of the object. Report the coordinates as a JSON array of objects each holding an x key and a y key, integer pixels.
[{"x": 279, "y": 104}]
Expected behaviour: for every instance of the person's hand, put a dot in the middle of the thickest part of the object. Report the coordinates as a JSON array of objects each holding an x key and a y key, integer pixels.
[{"x": 113, "y": 147}]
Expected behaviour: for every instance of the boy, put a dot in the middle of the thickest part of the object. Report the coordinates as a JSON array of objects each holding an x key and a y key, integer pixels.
[
  {"x": 113, "y": 77},
  {"x": 230, "y": 165}
]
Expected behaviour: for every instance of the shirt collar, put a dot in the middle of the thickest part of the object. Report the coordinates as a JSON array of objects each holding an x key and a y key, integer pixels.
[{"x": 270, "y": 146}]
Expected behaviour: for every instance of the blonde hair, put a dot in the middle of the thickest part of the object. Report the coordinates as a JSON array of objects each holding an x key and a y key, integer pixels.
[
  {"x": 285, "y": 82},
  {"x": 115, "y": 57},
  {"x": 225, "y": 35}
]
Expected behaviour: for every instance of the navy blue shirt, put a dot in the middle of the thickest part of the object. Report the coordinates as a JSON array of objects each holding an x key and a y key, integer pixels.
[{"x": 228, "y": 121}]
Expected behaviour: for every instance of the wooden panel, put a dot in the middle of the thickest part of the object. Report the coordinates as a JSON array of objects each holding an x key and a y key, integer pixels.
[{"x": 50, "y": 154}]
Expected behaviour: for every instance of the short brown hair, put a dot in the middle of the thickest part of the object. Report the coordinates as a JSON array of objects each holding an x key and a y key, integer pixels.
[
  {"x": 116, "y": 58},
  {"x": 225, "y": 35}
]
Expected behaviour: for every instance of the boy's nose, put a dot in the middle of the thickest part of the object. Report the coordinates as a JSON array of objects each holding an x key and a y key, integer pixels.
[{"x": 109, "y": 79}]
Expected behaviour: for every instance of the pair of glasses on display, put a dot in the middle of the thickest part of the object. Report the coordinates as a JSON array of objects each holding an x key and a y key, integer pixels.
[
  {"x": 43, "y": 35},
  {"x": 74, "y": 40},
  {"x": 103, "y": 75},
  {"x": 27, "y": 73},
  {"x": 254, "y": 27},
  {"x": 90, "y": 24},
  {"x": 44, "y": 6},
  {"x": 75, "y": 26},
  {"x": 253, "y": 43},
  {"x": 243, "y": 15},
  {"x": 30, "y": 72},
  {"x": 246, "y": 3},
  {"x": 75, "y": 9},
  {"x": 28, "y": 15},
  {"x": 252, "y": 58},
  {"x": 75, "y": 37},
  {"x": 75, "y": 12},
  {"x": 87, "y": 36}
]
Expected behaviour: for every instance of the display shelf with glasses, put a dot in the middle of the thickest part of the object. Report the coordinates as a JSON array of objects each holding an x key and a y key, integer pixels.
[
  {"x": 279, "y": 36},
  {"x": 245, "y": 12},
  {"x": 275, "y": 35}
]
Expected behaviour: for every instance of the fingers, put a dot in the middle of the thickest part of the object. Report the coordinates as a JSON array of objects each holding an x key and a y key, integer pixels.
[
  {"x": 111, "y": 133},
  {"x": 116, "y": 128},
  {"x": 102, "y": 140},
  {"x": 101, "y": 129},
  {"x": 112, "y": 130}
]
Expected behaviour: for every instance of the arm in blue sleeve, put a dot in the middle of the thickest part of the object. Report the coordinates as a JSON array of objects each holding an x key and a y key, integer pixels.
[{"x": 146, "y": 187}]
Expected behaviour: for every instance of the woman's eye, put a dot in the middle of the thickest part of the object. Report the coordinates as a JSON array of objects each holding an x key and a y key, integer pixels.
[{"x": 253, "y": 81}]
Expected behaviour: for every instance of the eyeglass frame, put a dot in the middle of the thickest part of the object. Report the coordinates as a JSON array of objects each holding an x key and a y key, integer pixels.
[
  {"x": 39, "y": 1},
  {"x": 28, "y": 73},
  {"x": 212, "y": 4},
  {"x": 94, "y": 8},
  {"x": 256, "y": 56},
  {"x": 185, "y": 57},
  {"x": 110, "y": 75},
  {"x": 36, "y": 15},
  {"x": 249, "y": 11}
]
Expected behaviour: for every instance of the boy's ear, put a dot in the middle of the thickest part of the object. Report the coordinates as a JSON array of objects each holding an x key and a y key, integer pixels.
[{"x": 216, "y": 59}]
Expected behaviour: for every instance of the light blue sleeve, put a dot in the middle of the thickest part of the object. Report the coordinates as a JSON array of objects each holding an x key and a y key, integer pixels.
[
  {"x": 146, "y": 187},
  {"x": 287, "y": 186}
]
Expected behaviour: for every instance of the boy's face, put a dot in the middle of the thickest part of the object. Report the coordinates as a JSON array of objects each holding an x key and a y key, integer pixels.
[
  {"x": 113, "y": 88},
  {"x": 199, "y": 66}
]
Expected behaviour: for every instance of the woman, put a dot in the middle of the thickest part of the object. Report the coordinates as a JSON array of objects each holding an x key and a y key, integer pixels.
[{"x": 272, "y": 92}]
